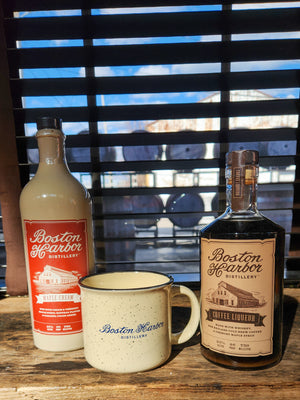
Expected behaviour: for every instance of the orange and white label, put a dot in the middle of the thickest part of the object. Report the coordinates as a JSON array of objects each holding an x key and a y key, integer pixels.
[
  {"x": 57, "y": 257},
  {"x": 237, "y": 296}
]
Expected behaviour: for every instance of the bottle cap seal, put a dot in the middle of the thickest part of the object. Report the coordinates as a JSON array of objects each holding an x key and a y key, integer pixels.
[
  {"x": 242, "y": 157},
  {"x": 49, "y": 123}
]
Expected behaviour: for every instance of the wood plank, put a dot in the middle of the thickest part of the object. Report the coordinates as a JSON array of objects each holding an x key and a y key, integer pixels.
[{"x": 27, "y": 372}]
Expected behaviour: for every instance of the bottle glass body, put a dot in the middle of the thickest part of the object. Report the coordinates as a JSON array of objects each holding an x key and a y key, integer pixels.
[
  {"x": 242, "y": 258},
  {"x": 58, "y": 241}
]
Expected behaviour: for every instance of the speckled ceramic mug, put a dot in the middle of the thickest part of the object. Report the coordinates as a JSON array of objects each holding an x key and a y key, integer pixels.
[{"x": 127, "y": 324}]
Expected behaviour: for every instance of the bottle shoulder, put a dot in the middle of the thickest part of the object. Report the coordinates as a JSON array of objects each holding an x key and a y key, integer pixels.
[
  {"x": 241, "y": 225},
  {"x": 56, "y": 183},
  {"x": 53, "y": 196}
]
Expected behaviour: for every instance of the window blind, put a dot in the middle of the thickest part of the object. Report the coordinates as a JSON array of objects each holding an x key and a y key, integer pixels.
[{"x": 152, "y": 95}]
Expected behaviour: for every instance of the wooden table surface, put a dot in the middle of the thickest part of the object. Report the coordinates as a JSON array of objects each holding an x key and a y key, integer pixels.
[{"x": 32, "y": 374}]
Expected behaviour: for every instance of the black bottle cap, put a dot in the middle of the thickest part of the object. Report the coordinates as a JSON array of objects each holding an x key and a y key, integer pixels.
[{"x": 49, "y": 123}]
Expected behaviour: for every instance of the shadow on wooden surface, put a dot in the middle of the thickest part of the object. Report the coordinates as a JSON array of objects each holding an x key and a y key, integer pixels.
[{"x": 290, "y": 305}]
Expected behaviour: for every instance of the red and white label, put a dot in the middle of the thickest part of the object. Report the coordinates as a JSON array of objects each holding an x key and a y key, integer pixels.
[{"x": 58, "y": 258}]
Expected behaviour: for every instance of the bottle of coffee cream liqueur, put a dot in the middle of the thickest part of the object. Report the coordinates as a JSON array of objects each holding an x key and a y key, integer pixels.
[
  {"x": 242, "y": 255},
  {"x": 58, "y": 243}
]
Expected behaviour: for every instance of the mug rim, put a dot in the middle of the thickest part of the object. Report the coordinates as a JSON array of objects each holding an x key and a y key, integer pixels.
[{"x": 129, "y": 289}]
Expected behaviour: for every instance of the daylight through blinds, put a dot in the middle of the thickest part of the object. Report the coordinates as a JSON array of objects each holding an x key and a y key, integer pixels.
[{"x": 152, "y": 96}]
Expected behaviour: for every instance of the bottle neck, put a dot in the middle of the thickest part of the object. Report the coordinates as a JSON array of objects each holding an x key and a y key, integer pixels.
[
  {"x": 51, "y": 148},
  {"x": 242, "y": 189}
]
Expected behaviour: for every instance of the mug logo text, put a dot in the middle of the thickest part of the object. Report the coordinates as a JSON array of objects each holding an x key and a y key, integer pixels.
[{"x": 125, "y": 330}]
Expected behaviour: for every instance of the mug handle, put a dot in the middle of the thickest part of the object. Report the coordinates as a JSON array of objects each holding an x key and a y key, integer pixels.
[{"x": 192, "y": 325}]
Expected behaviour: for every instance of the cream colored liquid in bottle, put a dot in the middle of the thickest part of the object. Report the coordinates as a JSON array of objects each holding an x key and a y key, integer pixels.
[{"x": 58, "y": 243}]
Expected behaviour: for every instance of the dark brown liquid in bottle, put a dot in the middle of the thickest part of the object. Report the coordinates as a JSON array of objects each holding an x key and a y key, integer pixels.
[
  {"x": 242, "y": 222},
  {"x": 260, "y": 228}
]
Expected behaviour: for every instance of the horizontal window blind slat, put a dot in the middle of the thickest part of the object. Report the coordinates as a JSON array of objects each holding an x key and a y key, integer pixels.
[
  {"x": 154, "y": 54},
  {"x": 149, "y": 191},
  {"x": 136, "y": 191},
  {"x": 163, "y": 111},
  {"x": 144, "y": 166},
  {"x": 156, "y": 84},
  {"x": 236, "y": 135},
  {"x": 137, "y": 166},
  {"x": 191, "y": 137},
  {"x": 24, "y": 5},
  {"x": 169, "y": 215},
  {"x": 154, "y": 25}
]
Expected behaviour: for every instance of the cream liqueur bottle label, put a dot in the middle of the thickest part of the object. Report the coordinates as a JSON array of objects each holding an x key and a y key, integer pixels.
[
  {"x": 58, "y": 258},
  {"x": 237, "y": 300}
]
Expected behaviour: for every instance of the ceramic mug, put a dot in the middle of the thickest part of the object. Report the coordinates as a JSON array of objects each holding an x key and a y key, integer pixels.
[{"x": 127, "y": 319}]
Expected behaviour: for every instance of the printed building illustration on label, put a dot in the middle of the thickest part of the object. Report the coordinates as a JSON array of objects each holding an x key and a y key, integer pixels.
[
  {"x": 232, "y": 296},
  {"x": 56, "y": 276}
]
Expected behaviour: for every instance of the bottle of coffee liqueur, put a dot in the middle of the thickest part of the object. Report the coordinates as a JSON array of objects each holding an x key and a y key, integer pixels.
[
  {"x": 58, "y": 243},
  {"x": 242, "y": 255}
]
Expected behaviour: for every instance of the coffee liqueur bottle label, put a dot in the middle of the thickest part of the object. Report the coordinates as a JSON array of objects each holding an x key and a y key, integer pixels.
[
  {"x": 237, "y": 296},
  {"x": 58, "y": 256}
]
